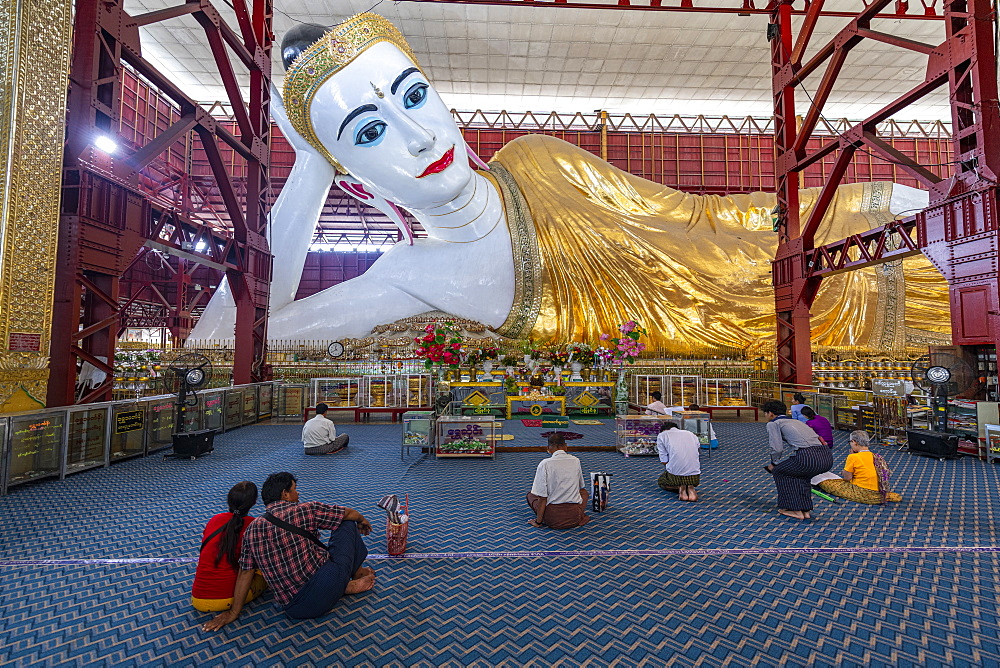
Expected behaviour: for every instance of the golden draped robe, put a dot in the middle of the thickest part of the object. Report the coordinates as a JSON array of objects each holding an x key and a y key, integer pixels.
[{"x": 595, "y": 246}]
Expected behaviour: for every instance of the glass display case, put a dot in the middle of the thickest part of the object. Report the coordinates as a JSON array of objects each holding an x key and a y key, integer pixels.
[
  {"x": 36, "y": 447},
  {"x": 250, "y": 404},
  {"x": 418, "y": 431},
  {"x": 846, "y": 418},
  {"x": 643, "y": 385},
  {"x": 233, "y": 411},
  {"x": 697, "y": 422},
  {"x": 160, "y": 413},
  {"x": 4, "y": 423},
  {"x": 86, "y": 436},
  {"x": 128, "y": 430},
  {"x": 635, "y": 435},
  {"x": 414, "y": 390},
  {"x": 724, "y": 392},
  {"x": 212, "y": 410},
  {"x": 379, "y": 392},
  {"x": 290, "y": 400},
  {"x": 992, "y": 442},
  {"x": 336, "y": 392},
  {"x": 590, "y": 398},
  {"x": 479, "y": 398},
  {"x": 826, "y": 403},
  {"x": 683, "y": 390},
  {"x": 472, "y": 436},
  {"x": 265, "y": 397},
  {"x": 193, "y": 412}
]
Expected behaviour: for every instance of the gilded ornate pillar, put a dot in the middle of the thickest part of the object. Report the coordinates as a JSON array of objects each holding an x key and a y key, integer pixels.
[{"x": 35, "y": 41}]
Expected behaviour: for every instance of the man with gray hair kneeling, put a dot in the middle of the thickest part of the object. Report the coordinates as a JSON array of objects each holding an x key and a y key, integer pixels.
[
  {"x": 558, "y": 494},
  {"x": 319, "y": 435}
]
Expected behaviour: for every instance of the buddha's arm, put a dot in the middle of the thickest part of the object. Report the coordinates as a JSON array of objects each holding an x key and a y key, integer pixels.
[
  {"x": 292, "y": 224},
  {"x": 473, "y": 281},
  {"x": 296, "y": 211},
  {"x": 347, "y": 310}
]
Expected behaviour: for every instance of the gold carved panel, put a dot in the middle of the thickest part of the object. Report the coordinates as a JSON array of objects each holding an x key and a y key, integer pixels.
[{"x": 35, "y": 43}]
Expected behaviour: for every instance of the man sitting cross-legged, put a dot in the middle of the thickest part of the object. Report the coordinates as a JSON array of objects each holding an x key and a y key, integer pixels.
[
  {"x": 558, "y": 495},
  {"x": 319, "y": 435},
  {"x": 307, "y": 577}
]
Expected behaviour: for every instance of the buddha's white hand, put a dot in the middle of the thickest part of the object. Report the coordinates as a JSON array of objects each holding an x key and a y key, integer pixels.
[{"x": 301, "y": 146}]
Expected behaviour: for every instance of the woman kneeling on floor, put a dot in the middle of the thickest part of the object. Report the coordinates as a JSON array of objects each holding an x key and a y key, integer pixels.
[
  {"x": 797, "y": 455},
  {"x": 865, "y": 478},
  {"x": 222, "y": 539},
  {"x": 678, "y": 450}
]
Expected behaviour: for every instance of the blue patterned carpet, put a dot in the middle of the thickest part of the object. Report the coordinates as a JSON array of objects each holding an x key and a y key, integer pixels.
[{"x": 911, "y": 584}]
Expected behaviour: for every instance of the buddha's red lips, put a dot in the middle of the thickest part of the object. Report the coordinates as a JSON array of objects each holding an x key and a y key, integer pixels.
[{"x": 440, "y": 165}]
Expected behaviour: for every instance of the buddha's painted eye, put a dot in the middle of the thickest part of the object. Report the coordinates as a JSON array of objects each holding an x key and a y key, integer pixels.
[
  {"x": 415, "y": 96},
  {"x": 370, "y": 134}
]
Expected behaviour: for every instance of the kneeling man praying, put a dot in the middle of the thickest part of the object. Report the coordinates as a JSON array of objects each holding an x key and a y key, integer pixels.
[{"x": 558, "y": 494}]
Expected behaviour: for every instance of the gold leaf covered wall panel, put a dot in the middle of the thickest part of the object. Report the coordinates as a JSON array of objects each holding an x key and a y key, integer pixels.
[{"x": 35, "y": 43}]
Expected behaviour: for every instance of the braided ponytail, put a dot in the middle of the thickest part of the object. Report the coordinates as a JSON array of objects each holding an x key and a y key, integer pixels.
[{"x": 241, "y": 499}]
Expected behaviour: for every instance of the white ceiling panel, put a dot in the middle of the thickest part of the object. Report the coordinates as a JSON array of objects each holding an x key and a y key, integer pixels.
[{"x": 543, "y": 59}]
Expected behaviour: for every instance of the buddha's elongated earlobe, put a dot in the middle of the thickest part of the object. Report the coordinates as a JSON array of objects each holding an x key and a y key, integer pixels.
[
  {"x": 358, "y": 191},
  {"x": 476, "y": 160}
]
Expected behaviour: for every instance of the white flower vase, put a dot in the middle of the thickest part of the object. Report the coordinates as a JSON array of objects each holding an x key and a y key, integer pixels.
[
  {"x": 557, "y": 374},
  {"x": 511, "y": 371},
  {"x": 527, "y": 360},
  {"x": 487, "y": 370},
  {"x": 576, "y": 367}
]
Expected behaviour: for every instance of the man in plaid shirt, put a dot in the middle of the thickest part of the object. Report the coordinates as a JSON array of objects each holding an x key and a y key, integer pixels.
[{"x": 307, "y": 579}]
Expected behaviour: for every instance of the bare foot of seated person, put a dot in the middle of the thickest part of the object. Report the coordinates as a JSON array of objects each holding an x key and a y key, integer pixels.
[{"x": 363, "y": 580}]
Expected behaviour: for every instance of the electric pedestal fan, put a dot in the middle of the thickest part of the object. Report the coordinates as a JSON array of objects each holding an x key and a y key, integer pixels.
[
  {"x": 187, "y": 374},
  {"x": 942, "y": 376}
]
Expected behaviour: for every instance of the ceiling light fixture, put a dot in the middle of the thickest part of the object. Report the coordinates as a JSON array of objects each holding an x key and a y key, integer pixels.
[{"x": 106, "y": 144}]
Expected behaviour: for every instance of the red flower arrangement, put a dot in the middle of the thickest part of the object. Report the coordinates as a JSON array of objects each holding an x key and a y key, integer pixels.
[
  {"x": 556, "y": 355},
  {"x": 442, "y": 344}
]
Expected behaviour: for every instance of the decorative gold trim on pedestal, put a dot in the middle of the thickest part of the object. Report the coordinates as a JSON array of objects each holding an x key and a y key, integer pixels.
[{"x": 35, "y": 43}]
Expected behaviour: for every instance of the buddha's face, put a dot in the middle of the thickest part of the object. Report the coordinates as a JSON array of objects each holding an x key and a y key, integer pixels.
[{"x": 403, "y": 145}]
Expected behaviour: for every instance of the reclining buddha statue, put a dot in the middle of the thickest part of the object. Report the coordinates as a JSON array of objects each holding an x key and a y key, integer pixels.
[{"x": 547, "y": 241}]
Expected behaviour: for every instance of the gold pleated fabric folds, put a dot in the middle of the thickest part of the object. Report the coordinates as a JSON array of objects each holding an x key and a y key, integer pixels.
[{"x": 695, "y": 270}]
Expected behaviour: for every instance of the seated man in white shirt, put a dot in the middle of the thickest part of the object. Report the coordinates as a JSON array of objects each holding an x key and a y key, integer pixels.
[
  {"x": 678, "y": 450},
  {"x": 656, "y": 407},
  {"x": 558, "y": 494},
  {"x": 319, "y": 435}
]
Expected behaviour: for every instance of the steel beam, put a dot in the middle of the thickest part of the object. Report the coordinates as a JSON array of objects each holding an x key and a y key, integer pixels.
[
  {"x": 107, "y": 218},
  {"x": 958, "y": 232},
  {"x": 740, "y": 7}
]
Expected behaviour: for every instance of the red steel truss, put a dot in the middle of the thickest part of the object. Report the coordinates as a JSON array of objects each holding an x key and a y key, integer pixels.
[
  {"x": 106, "y": 214},
  {"x": 958, "y": 232},
  {"x": 740, "y": 7}
]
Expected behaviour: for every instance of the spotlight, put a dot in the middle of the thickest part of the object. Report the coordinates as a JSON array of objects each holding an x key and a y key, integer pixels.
[{"x": 106, "y": 144}]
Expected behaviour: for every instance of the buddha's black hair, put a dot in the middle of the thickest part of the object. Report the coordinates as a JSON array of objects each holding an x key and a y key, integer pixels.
[{"x": 298, "y": 39}]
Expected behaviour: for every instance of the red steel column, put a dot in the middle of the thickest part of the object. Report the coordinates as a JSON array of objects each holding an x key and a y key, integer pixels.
[
  {"x": 793, "y": 294},
  {"x": 251, "y": 288},
  {"x": 960, "y": 235}
]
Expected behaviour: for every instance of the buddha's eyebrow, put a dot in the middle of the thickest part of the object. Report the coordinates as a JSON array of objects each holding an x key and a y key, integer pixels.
[
  {"x": 360, "y": 110},
  {"x": 395, "y": 84}
]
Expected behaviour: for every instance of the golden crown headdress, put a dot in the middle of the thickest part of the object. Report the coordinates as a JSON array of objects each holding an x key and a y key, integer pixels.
[{"x": 336, "y": 49}]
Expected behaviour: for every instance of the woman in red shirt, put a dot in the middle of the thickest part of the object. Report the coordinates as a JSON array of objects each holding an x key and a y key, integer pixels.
[{"x": 218, "y": 563}]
